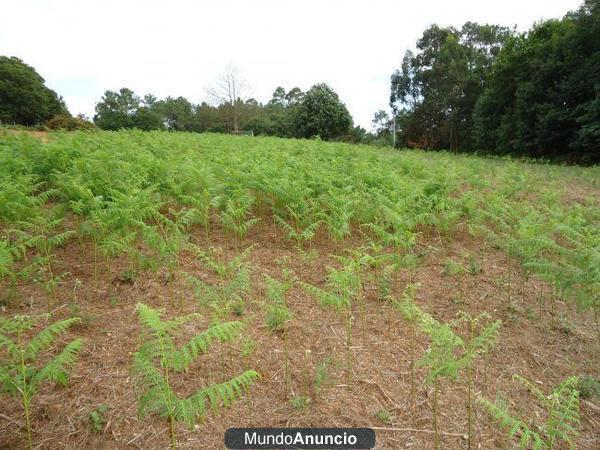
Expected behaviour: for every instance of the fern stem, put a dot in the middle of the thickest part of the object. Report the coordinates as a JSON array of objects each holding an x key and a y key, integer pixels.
[
  {"x": 166, "y": 398},
  {"x": 597, "y": 319},
  {"x": 413, "y": 388},
  {"x": 49, "y": 266},
  {"x": 435, "y": 412},
  {"x": 509, "y": 290},
  {"x": 470, "y": 393},
  {"x": 25, "y": 397},
  {"x": 172, "y": 433},
  {"x": 95, "y": 265},
  {"x": 307, "y": 354},
  {"x": 286, "y": 366},
  {"x": 206, "y": 215},
  {"x": 348, "y": 346}
]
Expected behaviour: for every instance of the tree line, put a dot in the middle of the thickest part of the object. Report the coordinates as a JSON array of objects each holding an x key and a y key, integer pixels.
[
  {"x": 488, "y": 89},
  {"x": 480, "y": 88},
  {"x": 293, "y": 113}
]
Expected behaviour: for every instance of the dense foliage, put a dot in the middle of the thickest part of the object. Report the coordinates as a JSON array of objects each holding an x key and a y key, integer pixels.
[
  {"x": 487, "y": 89},
  {"x": 69, "y": 123},
  {"x": 318, "y": 112},
  {"x": 122, "y": 185},
  {"x": 434, "y": 92},
  {"x": 543, "y": 98},
  {"x": 24, "y": 98},
  {"x": 480, "y": 88}
]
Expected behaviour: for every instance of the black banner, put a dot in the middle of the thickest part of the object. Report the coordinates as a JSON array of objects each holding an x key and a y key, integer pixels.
[{"x": 299, "y": 438}]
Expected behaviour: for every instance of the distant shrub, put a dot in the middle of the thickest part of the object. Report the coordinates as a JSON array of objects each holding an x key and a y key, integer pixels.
[{"x": 64, "y": 122}]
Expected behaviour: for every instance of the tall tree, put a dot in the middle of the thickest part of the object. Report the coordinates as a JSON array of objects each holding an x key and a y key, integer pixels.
[
  {"x": 321, "y": 113},
  {"x": 206, "y": 118},
  {"x": 382, "y": 124},
  {"x": 117, "y": 110},
  {"x": 280, "y": 110},
  {"x": 434, "y": 92},
  {"x": 147, "y": 116},
  {"x": 24, "y": 98},
  {"x": 543, "y": 99},
  {"x": 177, "y": 113}
]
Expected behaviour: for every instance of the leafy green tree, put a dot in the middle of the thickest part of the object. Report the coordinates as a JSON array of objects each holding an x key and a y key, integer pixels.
[
  {"x": 543, "y": 97},
  {"x": 206, "y": 118},
  {"x": 147, "y": 116},
  {"x": 177, "y": 113},
  {"x": 279, "y": 111},
  {"x": 434, "y": 92},
  {"x": 382, "y": 122},
  {"x": 24, "y": 98},
  {"x": 321, "y": 113},
  {"x": 117, "y": 110}
]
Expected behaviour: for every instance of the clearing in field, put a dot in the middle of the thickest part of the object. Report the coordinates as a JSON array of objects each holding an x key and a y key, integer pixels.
[{"x": 158, "y": 288}]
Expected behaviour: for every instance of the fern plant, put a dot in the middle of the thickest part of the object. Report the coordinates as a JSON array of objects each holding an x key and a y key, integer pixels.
[
  {"x": 278, "y": 315},
  {"x": 41, "y": 233},
  {"x": 448, "y": 354},
  {"x": 337, "y": 218},
  {"x": 411, "y": 313},
  {"x": 441, "y": 360},
  {"x": 6, "y": 260},
  {"x": 235, "y": 216},
  {"x": 20, "y": 376},
  {"x": 278, "y": 312},
  {"x": 234, "y": 281},
  {"x": 302, "y": 227},
  {"x": 478, "y": 343},
  {"x": 562, "y": 416},
  {"x": 159, "y": 358},
  {"x": 341, "y": 287}
]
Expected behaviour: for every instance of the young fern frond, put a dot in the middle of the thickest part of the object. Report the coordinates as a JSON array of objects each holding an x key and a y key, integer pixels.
[
  {"x": 46, "y": 337},
  {"x": 224, "y": 332},
  {"x": 326, "y": 298},
  {"x": 484, "y": 342},
  {"x": 513, "y": 426},
  {"x": 57, "y": 369},
  {"x": 440, "y": 358},
  {"x": 342, "y": 285},
  {"x": 156, "y": 394},
  {"x": 447, "y": 354},
  {"x": 295, "y": 231},
  {"x": 6, "y": 260},
  {"x": 278, "y": 313},
  {"x": 234, "y": 286},
  {"x": 194, "y": 407},
  {"x": 563, "y": 419},
  {"x": 19, "y": 375},
  {"x": 150, "y": 318},
  {"x": 562, "y": 416},
  {"x": 234, "y": 216}
]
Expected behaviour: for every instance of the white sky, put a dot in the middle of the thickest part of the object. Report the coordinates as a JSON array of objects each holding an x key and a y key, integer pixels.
[{"x": 178, "y": 47}]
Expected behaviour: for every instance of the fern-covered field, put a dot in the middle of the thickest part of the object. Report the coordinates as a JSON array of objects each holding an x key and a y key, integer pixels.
[{"x": 158, "y": 288}]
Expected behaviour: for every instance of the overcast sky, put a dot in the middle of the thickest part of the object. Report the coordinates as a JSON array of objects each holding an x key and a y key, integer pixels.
[{"x": 178, "y": 47}]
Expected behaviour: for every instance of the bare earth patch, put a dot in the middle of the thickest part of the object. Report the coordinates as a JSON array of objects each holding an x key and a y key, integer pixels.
[{"x": 533, "y": 343}]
